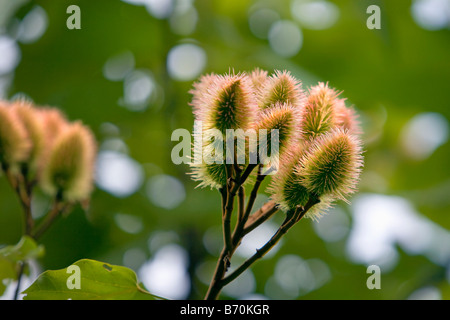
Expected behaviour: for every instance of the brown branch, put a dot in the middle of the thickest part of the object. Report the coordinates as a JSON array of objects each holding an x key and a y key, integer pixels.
[
  {"x": 292, "y": 218},
  {"x": 257, "y": 218}
]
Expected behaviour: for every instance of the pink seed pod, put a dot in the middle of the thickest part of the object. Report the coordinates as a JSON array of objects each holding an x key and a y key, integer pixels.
[
  {"x": 28, "y": 115},
  {"x": 347, "y": 118},
  {"x": 259, "y": 78},
  {"x": 14, "y": 143},
  {"x": 68, "y": 174}
]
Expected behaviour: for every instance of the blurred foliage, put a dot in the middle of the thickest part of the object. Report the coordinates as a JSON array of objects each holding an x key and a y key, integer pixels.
[{"x": 389, "y": 75}]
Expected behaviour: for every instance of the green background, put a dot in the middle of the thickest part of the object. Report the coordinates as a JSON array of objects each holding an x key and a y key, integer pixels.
[{"x": 390, "y": 75}]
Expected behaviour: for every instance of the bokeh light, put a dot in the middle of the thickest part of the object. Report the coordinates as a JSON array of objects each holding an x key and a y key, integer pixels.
[
  {"x": 118, "y": 174},
  {"x": 186, "y": 61},
  {"x": 431, "y": 14},
  {"x": 285, "y": 38},
  {"x": 423, "y": 134},
  {"x": 165, "y": 191},
  {"x": 10, "y": 57},
  {"x": 316, "y": 15},
  {"x": 165, "y": 274}
]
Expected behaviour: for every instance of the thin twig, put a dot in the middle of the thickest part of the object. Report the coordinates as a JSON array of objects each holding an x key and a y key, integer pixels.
[
  {"x": 57, "y": 209},
  {"x": 241, "y": 203},
  {"x": 296, "y": 216},
  {"x": 223, "y": 194},
  {"x": 19, "y": 280},
  {"x": 257, "y": 218},
  {"x": 247, "y": 172},
  {"x": 19, "y": 185},
  {"x": 237, "y": 235},
  {"x": 228, "y": 193},
  {"x": 231, "y": 193},
  {"x": 291, "y": 219}
]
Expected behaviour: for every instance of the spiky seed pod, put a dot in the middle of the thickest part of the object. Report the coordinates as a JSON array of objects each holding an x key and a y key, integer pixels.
[
  {"x": 281, "y": 87},
  {"x": 14, "y": 144},
  {"x": 212, "y": 175},
  {"x": 319, "y": 209},
  {"x": 288, "y": 191},
  {"x": 282, "y": 117},
  {"x": 347, "y": 118},
  {"x": 68, "y": 174},
  {"x": 285, "y": 187},
  {"x": 200, "y": 88},
  {"x": 221, "y": 102},
  {"x": 28, "y": 115},
  {"x": 54, "y": 122},
  {"x": 319, "y": 114},
  {"x": 211, "y": 171},
  {"x": 259, "y": 78},
  {"x": 224, "y": 102},
  {"x": 332, "y": 164}
]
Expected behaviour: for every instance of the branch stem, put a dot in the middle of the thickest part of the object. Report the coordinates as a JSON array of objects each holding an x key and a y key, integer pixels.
[{"x": 291, "y": 219}]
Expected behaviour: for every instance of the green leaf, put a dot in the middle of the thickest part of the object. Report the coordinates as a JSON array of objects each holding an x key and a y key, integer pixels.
[
  {"x": 7, "y": 271},
  {"x": 11, "y": 257},
  {"x": 88, "y": 280},
  {"x": 24, "y": 250}
]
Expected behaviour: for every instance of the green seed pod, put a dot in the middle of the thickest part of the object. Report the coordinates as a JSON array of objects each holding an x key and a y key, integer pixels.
[
  {"x": 68, "y": 174},
  {"x": 285, "y": 187},
  {"x": 281, "y": 87},
  {"x": 288, "y": 191},
  {"x": 224, "y": 102},
  {"x": 283, "y": 118},
  {"x": 221, "y": 103},
  {"x": 319, "y": 115},
  {"x": 212, "y": 175},
  {"x": 332, "y": 164}
]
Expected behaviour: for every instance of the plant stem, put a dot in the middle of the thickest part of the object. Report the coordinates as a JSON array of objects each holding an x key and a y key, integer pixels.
[
  {"x": 215, "y": 287},
  {"x": 228, "y": 193},
  {"x": 237, "y": 235},
  {"x": 25, "y": 199},
  {"x": 56, "y": 210},
  {"x": 241, "y": 203},
  {"x": 219, "y": 279},
  {"x": 290, "y": 221},
  {"x": 231, "y": 193},
  {"x": 247, "y": 172},
  {"x": 19, "y": 280},
  {"x": 22, "y": 187},
  {"x": 257, "y": 218}
]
